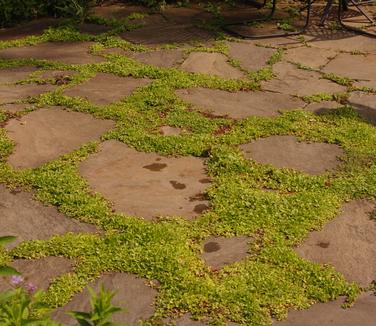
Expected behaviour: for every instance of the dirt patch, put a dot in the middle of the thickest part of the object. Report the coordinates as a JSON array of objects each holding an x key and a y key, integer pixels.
[
  {"x": 239, "y": 105},
  {"x": 221, "y": 251},
  {"x": 365, "y": 105},
  {"x": 39, "y": 272},
  {"x": 347, "y": 243},
  {"x": 67, "y": 52},
  {"x": 160, "y": 58},
  {"x": 132, "y": 295},
  {"x": 250, "y": 56},
  {"x": 145, "y": 184},
  {"x": 104, "y": 89},
  {"x": 28, "y": 219},
  {"x": 314, "y": 58},
  {"x": 13, "y": 93},
  {"x": 295, "y": 81},
  {"x": 170, "y": 131},
  {"x": 212, "y": 64},
  {"x": 332, "y": 314},
  {"x": 47, "y": 133},
  {"x": 287, "y": 152}
]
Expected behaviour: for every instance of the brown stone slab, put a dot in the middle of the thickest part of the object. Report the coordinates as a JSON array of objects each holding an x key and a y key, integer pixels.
[
  {"x": 160, "y": 58},
  {"x": 212, "y": 64},
  {"x": 146, "y": 184},
  {"x": 66, "y": 52},
  {"x": 309, "y": 57},
  {"x": 347, "y": 243},
  {"x": 322, "y": 107},
  {"x": 250, "y": 56},
  {"x": 346, "y": 42},
  {"x": 28, "y": 219},
  {"x": 13, "y": 93},
  {"x": 365, "y": 105},
  {"x": 353, "y": 66},
  {"x": 220, "y": 251},
  {"x": 132, "y": 295},
  {"x": 13, "y": 108},
  {"x": 104, "y": 89},
  {"x": 48, "y": 133},
  {"x": 40, "y": 272},
  {"x": 239, "y": 105},
  {"x": 295, "y": 81},
  {"x": 13, "y": 75},
  {"x": 287, "y": 152},
  {"x": 93, "y": 29},
  {"x": 362, "y": 313}
]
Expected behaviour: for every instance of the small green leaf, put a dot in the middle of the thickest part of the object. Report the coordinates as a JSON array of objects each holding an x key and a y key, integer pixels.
[
  {"x": 8, "y": 271},
  {"x": 6, "y": 239}
]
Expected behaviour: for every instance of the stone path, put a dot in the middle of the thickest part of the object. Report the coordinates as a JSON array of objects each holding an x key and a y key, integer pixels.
[{"x": 190, "y": 97}]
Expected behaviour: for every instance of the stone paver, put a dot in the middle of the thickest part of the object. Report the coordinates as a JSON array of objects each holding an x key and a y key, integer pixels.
[
  {"x": 295, "y": 81},
  {"x": 146, "y": 184},
  {"x": 239, "y": 105},
  {"x": 13, "y": 108},
  {"x": 322, "y": 107},
  {"x": 220, "y": 251},
  {"x": 365, "y": 105},
  {"x": 132, "y": 295},
  {"x": 13, "y": 75},
  {"x": 104, "y": 89},
  {"x": 353, "y": 66},
  {"x": 305, "y": 56},
  {"x": 363, "y": 313},
  {"x": 287, "y": 152},
  {"x": 39, "y": 272},
  {"x": 13, "y": 93},
  {"x": 47, "y": 133},
  {"x": 347, "y": 243},
  {"x": 348, "y": 43},
  {"x": 170, "y": 131},
  {"x": 160, "y": 58},
  {"x": 250, "y": 56},
  {"x": 66, "y": 52},
  {"x": 93, "y": 29},
  {"x": 211, "y": 64},
  {"x": 28, "y": 219}
]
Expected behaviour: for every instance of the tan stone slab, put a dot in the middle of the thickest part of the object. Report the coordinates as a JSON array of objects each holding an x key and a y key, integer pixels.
[
  {"x": 170, "y": 131},
  {"x": 212, "y": 64},
  {"x": 239, "y": 105},
  {"x": 185, "y": 15},
  {"x": 13, "y": 93},
  {"x": 220, "y": 251},
  {"x": 287, "y": 152},
  {"x": 160, "y": 58},
  {"x": 13, "y": 75},
  {"x": 48, "y": 133},
  {"x": 322, "y": 107},
  {"x": 295, "y": 81},
  {"x": 14, "y": 108},
  {"x": 347, "y": 243},
  {"x": 366, "y": 83},
  {"x": 167, "y": 33},
  {"x": 146, "y": 184},
  {"x": 66, "y": 52},
  {"x": 309, "y": 57},
  {"x": 39, "y": 272},
  {"x": 331, "y": 313},
  {"x": 104, "y": 89},
  {"x": 250, "y": 56},
  {"x": 365, "y": 105},
  {"x": 132, "y": 295},
  {"x": 28, "y": 219},
  {"x": 346, "y": 42},
  {"x": 353, "y": 66}
]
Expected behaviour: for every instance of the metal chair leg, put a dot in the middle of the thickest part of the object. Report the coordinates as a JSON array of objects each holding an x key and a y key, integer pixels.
[{"x": 227, "y": 28}]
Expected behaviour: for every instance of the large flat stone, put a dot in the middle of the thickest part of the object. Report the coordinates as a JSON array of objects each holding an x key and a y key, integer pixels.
[
  {"x": 13, "y": 75},
  {"x": 13, "y": 108},
  {"x": 132, "y": 295},
  {"x": 332, "y": 314},
  {"x": 39, "y": 272},
  {"x": 295, "y": 81},
  {"x": 28, "y": 219},
  {"x": 250, "y": 56},
  {"x": 160, "y": 58},
  {"x": 146, "y": 184},
  {"x": 13, "y": 93},
  {"x": 104, "y": 89},
  {"x": 220, "y": 251},
  {"x": 212, "y": 64},
  {"x": 347, "y": 243},
  {"x": 67, "y": 52},
  {"x": 353, "y": 66},
  {"x": 346, "y": 42},
  {"x": 309, "y": 57},
  {"x": 365, "y": 105},
  {"x": 239, "y": 105},
  {"x": 322, "y": 107},
  {"x": 287, "y": 152},
  {"x": 48, "y": 133}
]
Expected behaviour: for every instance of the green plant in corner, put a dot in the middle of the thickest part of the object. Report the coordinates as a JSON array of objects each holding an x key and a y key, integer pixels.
[
  {"x": 102, "y": 310},
  {"x": 6, "y": 270}
]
